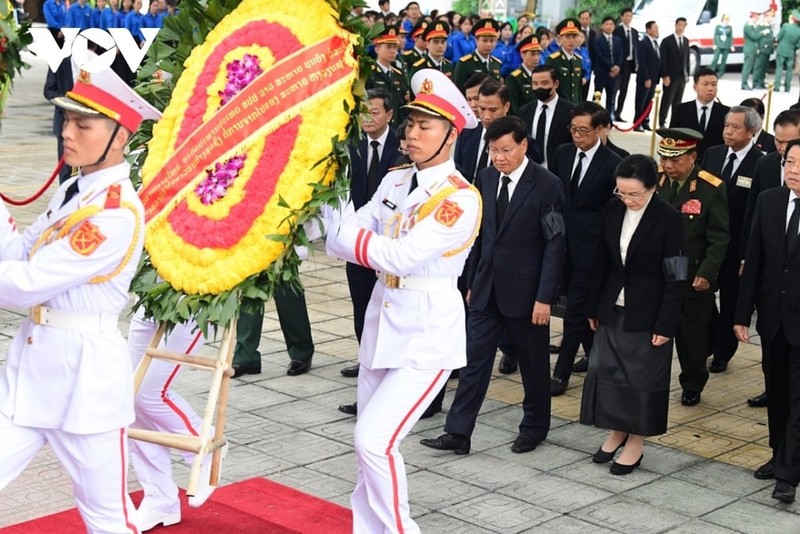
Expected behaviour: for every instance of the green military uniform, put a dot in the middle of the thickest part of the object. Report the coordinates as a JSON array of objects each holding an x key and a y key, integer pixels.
[
  {"x": 569, "y": 73},
  {"x": 472, "y": 63},
  {"x": 723, "y": 42},
  {"x": 701, "y": 198},
  {"x": 410, "y": 57},
  {"x": 788, "y": 43},
  {"x": 519, "y": 88},
  {"x": 394, "y": 82},
  {"x": 427, "y": 63},
  {"x": 766, "y": 44},
  {"x": 752, "y": 32}
]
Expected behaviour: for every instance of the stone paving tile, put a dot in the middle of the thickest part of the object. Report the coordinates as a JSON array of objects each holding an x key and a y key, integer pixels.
[
  {"x": 438, "y": 522},
  {"x": 701, "y": 442},
  {"x": 313, "y": 482},
  {"x": 306, "y": 386},
  {"x": 303, "y": 413},
  {"x": 546, "y": 457},
  {"x": 680, "y": 496},
  {"x": 765, "y": 497},
  {"x": 250, "y": 397},
  {"x": 555, "y": 493},
  {"x": 341, "y": 431},
  {"x": 484, "y": 471},
  {"x": 500, "y": 513},
  {"x": 750, "y": 517},
  {"x": 697, "y": 526},
  {"x": 598, "y": 476},
  {"x": 438, "y": 492},
  {"x": 579, "y": 437},
  {"x": 627, "y": 515},
  {"x": 570, "y": 525},
  {"x": 727, "y": 479},
  {"x": 666, "y": 461},
  {"x": 483, "y": 439},
  {"x": 301, "y": 448},
  {"x": 254, "y": 431}
]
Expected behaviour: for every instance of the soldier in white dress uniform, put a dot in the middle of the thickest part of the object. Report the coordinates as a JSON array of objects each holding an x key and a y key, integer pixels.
[
  {"x": 416, "y": 231},
  {"x": 67, "y": 380}
]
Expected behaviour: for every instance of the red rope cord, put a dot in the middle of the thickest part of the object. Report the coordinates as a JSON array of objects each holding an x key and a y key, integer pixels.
[
  {"x": 639, "y": 121},
  {"x": 40, "y": 192}
]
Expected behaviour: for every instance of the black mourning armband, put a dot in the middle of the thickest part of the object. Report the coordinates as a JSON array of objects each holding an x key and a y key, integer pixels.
[
  {"x": 676, "y": 269},
  {"x": 552, "y": 224}
]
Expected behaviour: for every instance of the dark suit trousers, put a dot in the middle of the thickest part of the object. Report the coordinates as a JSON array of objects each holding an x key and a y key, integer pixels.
[
  {"x": 643, "y": 97},
  {"x": 673, "y": 94},
  {"x": 296, "y": 328},
  {"x": 625, "y": 72},
  {"x": 610, "y": 88},
  {"x": 576, "y": 324},
  {"x": 530, "y": 344},
  {"x": 360, "y": 281},
  {"x": 692, "y": 341},
  {"x": 783, "y": 394},
  {"x": 723, "y": 340}
]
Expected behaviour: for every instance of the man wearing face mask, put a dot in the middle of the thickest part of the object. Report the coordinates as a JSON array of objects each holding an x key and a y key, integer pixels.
[
  {"x": 547, "y": 117},
  {"x": 519, "y": 82}
]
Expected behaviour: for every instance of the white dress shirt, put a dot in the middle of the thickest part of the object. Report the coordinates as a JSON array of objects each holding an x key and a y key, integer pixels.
[
  {"x": 514, "y": 176},
  {"x": 699, "y": 106},
  {"x": 551, "y": 108},
  {"x": 382, "y": 144},
  {"x": 629, "y": 224},
  {"x": 740, "y": 155},
  {"x": 586, "y": 161}
]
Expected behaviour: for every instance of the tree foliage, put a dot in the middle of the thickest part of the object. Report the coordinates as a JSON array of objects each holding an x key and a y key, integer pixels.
[{"x": 600, "y": 8}]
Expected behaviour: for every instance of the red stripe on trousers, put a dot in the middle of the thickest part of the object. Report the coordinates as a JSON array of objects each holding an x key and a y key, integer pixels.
[
  {"x": 174, "y": 407},
  {"x": 392, "y": 469},
  {"x": 124, "y": 478}
]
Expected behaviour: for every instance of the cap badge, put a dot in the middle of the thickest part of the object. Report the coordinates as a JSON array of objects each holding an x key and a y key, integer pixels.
[
  {"x": 85, "y": 77},
  {"x": 427, "y": 87}
]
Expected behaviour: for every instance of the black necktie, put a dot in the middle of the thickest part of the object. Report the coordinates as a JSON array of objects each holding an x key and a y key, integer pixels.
[
  {"x": 71, "y": 191},
  {"x": 630, "y": 44},
  {"x": 658, "y": 52},
  {"x": 673, "y": 190},
  {"x": 483, "y": 160},
  {"x": 502, "y": 200},
  {"x": 792, "y": 228},
  {"x": 727, "y": 172},
  {"x": 703, "y": 119},
  {"x": 611, "y": 47},
  {"x": 372, "y": 172},
  {"x": 540, "y": 130},
  {"x": 576, "y": 176},
  {"x": 413, "y": 184}
]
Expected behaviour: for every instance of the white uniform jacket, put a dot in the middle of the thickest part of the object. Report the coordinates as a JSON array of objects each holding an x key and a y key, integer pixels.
[
  {"x": 77, "y": 381},
  {"x": 399, "y": 234}
]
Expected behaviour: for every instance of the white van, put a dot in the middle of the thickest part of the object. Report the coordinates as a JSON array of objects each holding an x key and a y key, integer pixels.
[{"x": 702, "y": 17}]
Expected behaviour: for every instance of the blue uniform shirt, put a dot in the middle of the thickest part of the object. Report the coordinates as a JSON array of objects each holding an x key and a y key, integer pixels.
[
  {"x": 79, "y": 16},
  {"x": 55, "y": 14}
]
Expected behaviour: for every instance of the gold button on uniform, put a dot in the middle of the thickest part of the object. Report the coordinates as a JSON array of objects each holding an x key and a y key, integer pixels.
[{"x": 387, "y": 304}]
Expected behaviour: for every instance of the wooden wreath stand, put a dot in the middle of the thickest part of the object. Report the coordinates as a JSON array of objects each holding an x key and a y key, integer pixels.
[{"x": 217, "y": 403}]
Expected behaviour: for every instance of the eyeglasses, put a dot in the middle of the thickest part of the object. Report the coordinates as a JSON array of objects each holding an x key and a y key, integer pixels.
[
  {"x": 580, "y": 132},
  {"x": 502, "y": 151},
  {"x": 632, "y": 196}
]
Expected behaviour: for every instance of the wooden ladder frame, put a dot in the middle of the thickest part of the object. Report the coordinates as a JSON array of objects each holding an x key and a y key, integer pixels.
[{"x": 217, "y": 403}]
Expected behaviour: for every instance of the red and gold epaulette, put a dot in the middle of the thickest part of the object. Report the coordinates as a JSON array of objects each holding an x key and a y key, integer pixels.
[
  {"x": 458, "y": 182},
  {"x": 113, "y": 197}
]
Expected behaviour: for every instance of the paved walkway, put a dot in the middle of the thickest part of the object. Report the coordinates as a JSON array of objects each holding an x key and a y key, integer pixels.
[{"x": 697, "y": 478}]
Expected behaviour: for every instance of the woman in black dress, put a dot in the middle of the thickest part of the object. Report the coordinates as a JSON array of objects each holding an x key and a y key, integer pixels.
[{"x": 637, "y": 287}]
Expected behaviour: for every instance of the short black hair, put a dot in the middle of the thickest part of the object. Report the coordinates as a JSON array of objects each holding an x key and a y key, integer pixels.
[
  {"x": 787, "y": 117},
  {"x": 493, "y": 87},
  {"x": 704, "y": 71},
  {"x": 649, "y": 24},
  {"x": 541, "y": 30},
  {"x": 640, "y": 167},
  {"x": 411, "y": 4},
  {"x": 382, "y": 2},
  {"x": 625, "y": 10},
  {"x": 383, "y": 95},
  {"x": 504, "y": 126},
  {"x": 606, "y": 19},
  {"x": 546, "y": 68},
  {"x": 585, "y": 11},
  {"x": 755, "y": 104},
  {"x": 475, "y": 80},
  {"x": 680, "y": 19},
  {"x": 598, "y": 113}
]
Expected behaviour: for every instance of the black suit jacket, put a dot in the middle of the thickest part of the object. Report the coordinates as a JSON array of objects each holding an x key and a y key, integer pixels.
[
  {"x": 558, "y": 134},
  {"x": 771, "y": 277},
  {"x": 619, "y": 31},
  {"x": 584, "y": 213},
  {"x": 765, "y": 142},
  {"x": 686, "y": 117},
  {"x": 649, "y": 63},
  {"x": 466, "y": 152},
  {"x": 603, "y": 60},
  {"x": 766, "y": 175},
  {"x": 521, "y": 257},
  {"x": 358, "y": 167},
  {"x": 653, "y": 295},
  {"x": 738, "y": 189},
  {"x": 674, "y": 63},
  {"x": 57, "y": 84},
  {"x": 592, "y": 35},
  {"x": 618, "y": 150}
]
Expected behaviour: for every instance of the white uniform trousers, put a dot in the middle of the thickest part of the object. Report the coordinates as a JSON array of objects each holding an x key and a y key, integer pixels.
[
  {"x": 160, "y": 408},
  {"x": 390, "y": 402},
  {"x": 96, "y": 463}
]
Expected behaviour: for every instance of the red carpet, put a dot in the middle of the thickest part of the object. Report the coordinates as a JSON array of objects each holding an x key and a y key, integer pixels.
[{"x": 255, "y": 506}]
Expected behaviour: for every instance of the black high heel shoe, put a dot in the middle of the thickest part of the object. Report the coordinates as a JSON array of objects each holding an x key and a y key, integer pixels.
[
  {"x": 622, "y": 469},
  {"x": 603, "y": 457}
]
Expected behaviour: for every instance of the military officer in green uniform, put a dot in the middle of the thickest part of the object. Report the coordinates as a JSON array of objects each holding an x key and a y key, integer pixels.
[
  {"x": 387, "y": 76},
  {"x": 701, "y": 199},
  {"x": 567, "y": 63},
  {"x": 519, "y": 81},
  {"x": 752, "y": 32},
  {"x": 410, "y": 57},
  {"x": 486, "y": 32},
  {"x": 435, "y": 35},
  {"x": 788, "y": 43},
  {"x": 766, "y": 44},
  {"x": 723, "y": 45}
]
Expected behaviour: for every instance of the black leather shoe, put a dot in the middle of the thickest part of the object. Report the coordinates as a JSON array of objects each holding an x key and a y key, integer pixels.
[
  {"x": 603, "y": 457},
  {"x": 350, "y": 372},
  {"x": 432, "y": 410},
  {"x": 690, "y": 398},
  {"x": 718, "y": 365},
  {"x": 646, "y": 128},
  {"x": 622, "y": 469},
  {"x": 766, "y": 471},
  {"x": 296, "y": 367},
  {"x": 759, "y": 401},
  {"x": 638, "y": 129},
  {"x": 524, "y": 444},
  {"x": 783, "y": 491},
  {"x": 239, "y": 370},
  {"x": 349, "y": 409},
  {"x": 558, "y": 386},
  {"x": 581, "y": 366},
  {"x": 508, "y": 364},
  {"x": 448, "y": 442},
  {"x": 554, "y": 349}
]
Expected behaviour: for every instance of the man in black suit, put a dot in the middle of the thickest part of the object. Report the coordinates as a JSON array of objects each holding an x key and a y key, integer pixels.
[
  {"x": 586, "y": 169},
  {"x": 768, "y": 174},
  {"x": 590, "y": 34},
  {"x": 607, "y": 63},
  {"x": 771, "y": 282},
  {"x": 674, "y": 70},
  {"x": 630, "y": 38},
  {"x": 513, "y": 276},
  {"x": 547, "y": 118},
  {"x": 648, "y": 72},
  {"x": 734, "y": 163},
  {"x": 702, "y": 114},
  {"x": 57, "y": 84},
  {"x": 764, "y": 141}
]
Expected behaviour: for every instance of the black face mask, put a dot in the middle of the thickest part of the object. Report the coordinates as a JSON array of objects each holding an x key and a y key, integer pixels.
[{"x": 542, "y": 94}]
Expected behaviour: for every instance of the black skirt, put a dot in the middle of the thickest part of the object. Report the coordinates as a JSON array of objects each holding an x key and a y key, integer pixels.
[{"x": 627, "y": 384}]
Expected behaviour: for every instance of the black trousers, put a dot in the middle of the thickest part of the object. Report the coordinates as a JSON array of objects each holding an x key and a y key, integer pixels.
[
  {"x": 610, "y": 88},
  {"x": 576, "y": 324},
  {"x": 672, "y": 98},
  {"x": 625, "y": 72},
  {"x": 360, "y": 281},
  {"x": 643, "y": 97},
  {"x": 692, "y": 341},
  {"x": 782, "y": 370},
  {"x": 723, "y": 340},
  {"x": 530, "y": 345}
]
